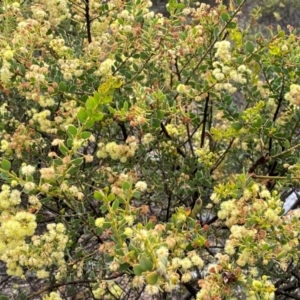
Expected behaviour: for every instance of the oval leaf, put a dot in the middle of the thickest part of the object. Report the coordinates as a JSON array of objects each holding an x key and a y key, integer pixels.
[
  {"x": 5, "y": 165},
  {"x": 152, "y": 278}
]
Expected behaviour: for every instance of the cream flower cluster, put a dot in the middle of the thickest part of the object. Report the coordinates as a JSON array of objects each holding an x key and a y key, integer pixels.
[
  {"x": 206, "y": 157},
  {"x": 22, "y": 140},
  {"x": 5, "y": 73},
  {"x": 58, "y": 45},
  {"x": 105, "y": 68},
  {"x": 293, "y": 96},
  {"x": 71, "y": 190},
  {"x": 70, "y": 67},
  {"x": 147, "y": 139},
  {"x": 9, "y": 198},
  {"x": 37, "y": 74},
  {"x": 57, "y": 11},
  {"x": 118, "y": 152},
  {"x": 43, "y": 251},
  {"x": 31, "y": 32},
  {"x": 42, "y": 119},
  {"x": 223, "y": 50},
  {"x": 226, "y": 73},
  {"x": 167, "y": 265}
]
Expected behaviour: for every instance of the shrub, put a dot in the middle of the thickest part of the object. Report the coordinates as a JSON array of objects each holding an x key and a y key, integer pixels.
[{"x": 144, "y": 155}]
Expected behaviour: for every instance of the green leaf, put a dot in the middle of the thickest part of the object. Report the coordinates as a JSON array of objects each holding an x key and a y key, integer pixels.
[
  {"x": 136, "y": 195},
  {"x": 237, "y": 126},
  {"x": 58, "y": 162},
  {"x": 231, "y": 25},
  {"x": 135, "y": 67},
  {"x": 90, "y": 123},
  {"x": 111, "y": 197},
  {"x": 62, "y": 86},
  {"x": 126, "y": 186},
  {"x": 91, "y": 103},
  {"x": 224, "y": 16},
  {"x": 137, "y": 270},
  {"x": 249, "y": 47},
  {"x": 125, "y": 106},
  {"x": 145, "y": 263},
  {"x": 152, "y": 278},
  {"x": 72, "y": 89},
  {"x": 98, "y": 116},
  {"x": 5, "y": 165},
  {"x": 82, "y": 115},
  {"x": 143, "y": 55},
  {"x": 92, "y": 221},
  {"x": 63, "y": 149},
  {"x": 257, "y": 123},
  {"x": 103, "y": 209},
  {"x": 98, "y": 195},
  {"x": 140, "y": 78},
  {"x": 115, "y": 205},
  {"x": 77, "y": 161},
  {"x": 85, "y": 135},
  {"x": 70, "y": 143},
  {"x": 155, "y": 122},
  {"x": 72, "y": 130},
  {"x": 124, "y": 267}
]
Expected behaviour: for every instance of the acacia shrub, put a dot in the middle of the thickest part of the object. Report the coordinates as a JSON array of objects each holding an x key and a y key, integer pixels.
[{"x": 127, "y": 168}]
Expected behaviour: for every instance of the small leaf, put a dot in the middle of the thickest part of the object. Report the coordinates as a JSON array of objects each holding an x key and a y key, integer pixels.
[
  {"x": 62, "y": 86},
  {"x": 103, "y": 209},
  {"x": 231, "y": 25},
  {"x": 85, "y": 135},
  {"x": 125, "y": 106},
  {"x": 145, "y": 263},
  {"x": 126, "y": 186},
  {"x": 115, "y": 204},
  {"x": 63, "y": 149},
  {"x": 136, "y": 195},
  {"x": 77, "y": 161},
  {"x": 5, "y": 165},
  {"x": 257, "y": 123},
  {"x": 124, "y": 267},
  {"x": 249, "y": 47},
  {"x": 91, "y": 103},
  {"x": 137, "y": 270},
  {"x": 152, "y": 278},
  {"x": 91, "y": 221},
  {"x": 111, "y": 197},
  {"x": 72, "y": 130},
  {"x": 237, "y": 126},
  {"x": 58, "y": 162},
  {"x": 98, "y": 195},
  {"x": 90, "y": 123},
  {"x": 224, "y": 16},
  {"x": 143, "y": 55},
  {"x": 140, "y": 77},
  {"x": 82, "y": 115},
  {"x": 98, "y": 116},
  {"x": 155, "y": 122}
]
